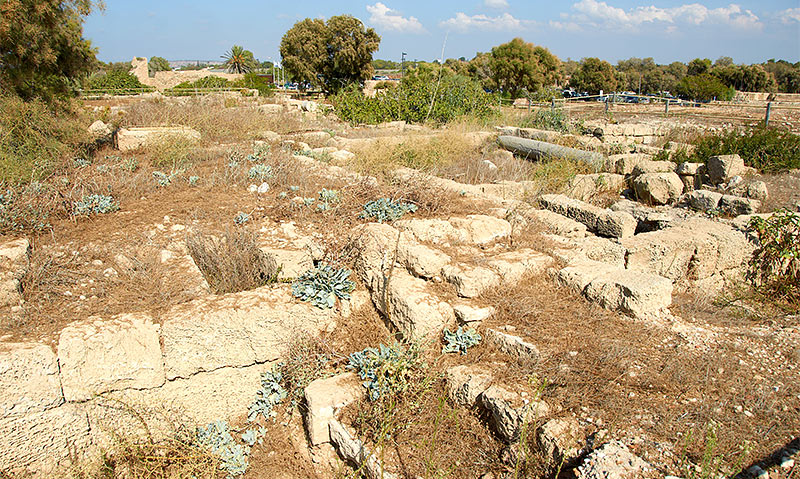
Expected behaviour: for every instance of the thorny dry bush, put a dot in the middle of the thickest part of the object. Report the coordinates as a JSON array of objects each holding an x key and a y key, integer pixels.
[{"x": 231, "y": 261}]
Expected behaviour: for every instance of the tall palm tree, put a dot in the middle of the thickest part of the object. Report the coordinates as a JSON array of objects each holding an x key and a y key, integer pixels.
[{"x": 239, "y": 60}]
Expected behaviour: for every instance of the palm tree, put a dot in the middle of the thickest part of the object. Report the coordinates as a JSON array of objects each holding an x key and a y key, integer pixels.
[{"x": 239, "y": 60}]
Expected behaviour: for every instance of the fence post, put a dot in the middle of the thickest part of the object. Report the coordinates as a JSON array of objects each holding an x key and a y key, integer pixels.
[
  {"x": 766, "y": 118},
  {"x": 606, "y": 108},
  {"x": 666, "y": 107},
  {"x": 530, "y": 103},
  {"x": 553, "y": 104}
]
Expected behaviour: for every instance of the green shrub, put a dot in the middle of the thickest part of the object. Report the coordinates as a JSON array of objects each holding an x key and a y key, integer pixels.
[
  {"x": 775, "y": 266},
  {"x": 114, "y": 80},
  {"x": 255, "y": 82},
  {"x": 767, "y": 149},
  {"x": 385, "y": 370},
  {"x": 34, "y": 140},
  {"x": 421, "y": 96},
  {"x": 206, "y": 82},
  {"x": 547, "y": 119}
]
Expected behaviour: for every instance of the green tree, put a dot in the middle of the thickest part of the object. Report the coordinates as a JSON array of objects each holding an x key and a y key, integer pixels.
[
  {"x": 704, "y": 87},
  {"x": 42, "y": 49},
  {"x": 518, "y": 66},
  {"x": 158, "y": 64},
  {"x": 594, "y": 75},
  {"x": 330, "y": 54},
  {"x": 745, "y": 77},
  {"x": 239, "y": 60},
  {"x": 699, "y": 66}
]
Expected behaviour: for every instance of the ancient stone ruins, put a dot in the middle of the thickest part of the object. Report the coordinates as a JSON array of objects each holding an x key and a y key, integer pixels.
[{"x": 203, "y": 359}]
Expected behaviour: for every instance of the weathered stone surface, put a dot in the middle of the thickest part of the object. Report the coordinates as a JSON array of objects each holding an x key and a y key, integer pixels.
[
  {"x": 482, "y": 229},
  {"x": 585, "y": 187},
  {"x": 188, "y": 273},
  {"x": 467, "y": 315},
  {"x": 342, "y": 156},
  {"x": 592, "y": 248},
  {"x": 433, "y": 231},
  {"x": 625, "y": 163},
  {"x": 509, "y": 411},
  {"x": 612, "y": 461},
  {"x": 29, "y": 380},
  {"x": 658, "y": 188},
  {"x": 100, "y": 131},
  {"x": 289, "y": 263},
  {"x": 470, "y": 281},
  {"x": 514, "y": 346},
  {"x": 647, "y": 166},
  {"x": 379, "y": 245},
  {"x": 757, "y": 190},
  {"x": 202, "y": 398},
  {"x": 324, "y": 397},
  {"x": 420, "y": 260},
  {"x": 14, "y": 261},
  {"x": 736, "y": 205},
  {"x": 135, "y": 137},
  {"x": 236, "y": 329},
  {"x": 691, "y": 169},
  {"x": 579, "y": 273},
  {"x": 353, "y": 451},
  {"x": 722, "y": 168},
  {"x": 560, "y": 440},
  {"x": 604, "y": 222},
  {"x": 694, "y": 249},
  {"x": 514, "y": 265},
  {"x": 558, "y": 224},
  {"x": 631, "y": 292},
  {"x": 704, "y": 200},
  {"x": 98, "y": 356},
  {"x": 268, "y": 135},
  {"x": 465, "y": 383},
  {"x": 41, "y": 440},
  {"x": 411, "y": 307}
]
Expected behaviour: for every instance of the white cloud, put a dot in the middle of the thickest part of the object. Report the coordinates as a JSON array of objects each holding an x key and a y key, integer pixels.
[
  {"x": 599, "y": 14},
  {"x": 496, "y": 3},
  {"x": 388, "y": 19},
  {"x": 790, "y": 15},
  {"x": 463, "y": 22}
]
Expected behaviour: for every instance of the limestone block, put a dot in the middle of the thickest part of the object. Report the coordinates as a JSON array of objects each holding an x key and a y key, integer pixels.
[
  {"x": 514, "y": 346},
  {"x": 470, "y": 281},
  {"x": 324, "y": 397},
  {"x": 29, "y": 380},
  {"x": 514, "y": 265},
  {"x": 631, "y": 292},
  {"x": 658, "y": 188},
  {"x": 722, "y": 168},
  {"x": 465, "y": 383}
]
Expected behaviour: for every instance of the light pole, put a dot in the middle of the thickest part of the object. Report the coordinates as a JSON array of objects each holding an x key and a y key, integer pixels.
[{"x": 403, "y": 65}]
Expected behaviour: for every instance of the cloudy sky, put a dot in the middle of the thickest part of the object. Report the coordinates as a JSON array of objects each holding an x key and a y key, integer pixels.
[{"x": 749, "y": 31}]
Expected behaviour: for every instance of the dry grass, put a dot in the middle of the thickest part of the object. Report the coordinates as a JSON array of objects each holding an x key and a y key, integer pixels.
[
  {"x": 211, "y": 117},
  {"x": 231, "y": 261},
  {"x": 170, "y": 151}
]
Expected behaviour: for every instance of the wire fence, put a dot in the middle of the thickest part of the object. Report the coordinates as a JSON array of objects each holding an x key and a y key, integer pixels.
[{"x": 786, "y": 113}]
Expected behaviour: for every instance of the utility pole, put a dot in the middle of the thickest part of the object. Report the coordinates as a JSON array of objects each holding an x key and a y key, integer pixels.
[{"x": 403, "y": 65}]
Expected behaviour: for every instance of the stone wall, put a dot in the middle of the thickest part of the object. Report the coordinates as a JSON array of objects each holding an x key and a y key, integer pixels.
[
  {"x": 168, "y": 79},
  {"x": 202, "y": 362}
]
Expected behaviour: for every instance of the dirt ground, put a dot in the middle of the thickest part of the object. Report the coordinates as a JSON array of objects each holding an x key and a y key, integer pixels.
[{"x": 729, "y": 365}]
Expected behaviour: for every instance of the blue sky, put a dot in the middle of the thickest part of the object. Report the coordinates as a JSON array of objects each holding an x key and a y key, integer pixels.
[{"x": 748, "y": 31}]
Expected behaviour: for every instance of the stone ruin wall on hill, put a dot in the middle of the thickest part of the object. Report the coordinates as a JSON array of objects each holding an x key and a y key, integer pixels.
[{"x": 169, "y": 79}]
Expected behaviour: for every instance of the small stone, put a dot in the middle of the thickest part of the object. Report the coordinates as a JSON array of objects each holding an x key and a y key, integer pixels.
[
  {"x": 178, "y": 228},
  {"x": 758, "y": 473},
  {"x": 252, "y": 188},
  {"x": 786, "y": 462},
  {"x": 263, "y": 188},
  {"x": 97, "y": 262}
]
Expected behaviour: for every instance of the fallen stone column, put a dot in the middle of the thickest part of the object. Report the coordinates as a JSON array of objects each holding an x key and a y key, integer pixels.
[{"x": 537, "y": 150}]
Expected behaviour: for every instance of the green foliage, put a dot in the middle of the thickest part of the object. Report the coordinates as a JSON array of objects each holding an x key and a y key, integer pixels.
[
  {"x": 114, "y": 80},
  {"x": 385, "y": 65},
  {"x": 327, "y": 198},
  {"x": 321, "y": 286},
  {"x": 204, "y": 83},
  {"x": 385, "y": 370},
  {"x": 253, "y": 81},
  {"x": 518, "y": 66},
  {"x": 42, "y": 49},
  {"x": 774, "y": 268},
  {"x": 241, "y": 218},
  {"x": 34, "y": 139},
  {"x": 27, "y": 207},
  {"x": 270, "y": 394},
  {"x": 330, "y": 54},
  {"x": 744, "y": 77},
  {"x": 704, "y": 87},
  {"x": 253, "y": 436},
  {"x": 460, "y": 340},
  {"x": 594, "y": 75},
  {"x": 162, "y": 179},
  {"x": 157, "y": 64},
  {"x": 767, "y": 149},
  {"x": 421, "y": 96},
  {"x": 239, "y": 60},
  {"x": 94, "y": 205},
  {"x": 546, "y": 119},
  {"x": 260, "y": 172},
  {"x": 385, "y": 209},
  {"x": 217, "y": 439},
  {"x": 698, "y": 66}
]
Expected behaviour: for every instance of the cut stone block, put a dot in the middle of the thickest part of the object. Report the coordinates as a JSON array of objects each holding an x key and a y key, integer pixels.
[
  {"x": 29, "y": 379},
  {"x": 326, "y": 396},
  {"x": 465, "y": 383}
]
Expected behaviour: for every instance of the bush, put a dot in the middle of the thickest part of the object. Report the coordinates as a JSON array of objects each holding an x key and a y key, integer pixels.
[
  {"x": 421, "y": 96},
  {"x": 775, "y": 266},
  {"x": 114, "y": 80},
  {"x": 205, "y": 82},
  {"x": 34, "y": 140},
  {"x": 254, "y": 82},
  {"x": 547, "y": 120},
  {"x": 321, "y": 286},
  {"x": 232, "y": 262},
  {"x": 385, "y": 370},
  {"x": 767, "y": 149}
]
